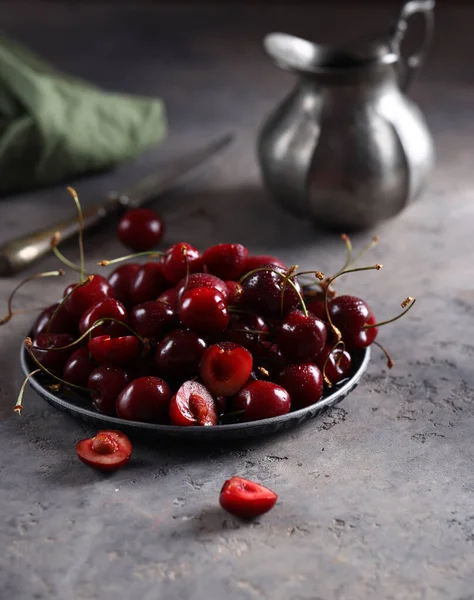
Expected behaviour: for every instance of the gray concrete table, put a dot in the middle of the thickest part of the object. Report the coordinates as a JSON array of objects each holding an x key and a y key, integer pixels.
[{"x": 376, "y": 497}]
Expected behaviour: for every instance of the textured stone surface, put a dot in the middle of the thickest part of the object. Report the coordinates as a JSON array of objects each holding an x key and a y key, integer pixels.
[{"x": 376, "y": 498}]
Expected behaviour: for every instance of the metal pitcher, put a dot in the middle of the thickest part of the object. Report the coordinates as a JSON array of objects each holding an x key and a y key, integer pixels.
[{"x": 347, "y": 147}]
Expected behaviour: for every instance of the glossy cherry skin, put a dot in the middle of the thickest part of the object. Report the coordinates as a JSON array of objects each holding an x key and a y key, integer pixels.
[
  {"x": 227, "y": 261},
  {"x": 203, "y": 310},
  {"x": 254, "y": 262},
  {"x": 153, "y": 319},
  {"x": 169, "y": 297},
  {"x": 233, "y": 292},
  {"x": 121, "y": 281},
  {"x": 178, "y": 354},
  {"x": 54, "y": 320},
  {"x": 45, "y": 350},
  {"x": 107, "y": 451},
  {"x": 179, "y": 259},
  {"x": 246, "y": 499},
  {"x": 350, "y": 314},
  {"x": 78, "y": 367},
  {"x": 192, "y": 405},
  {"x": 225, "y": 368},
  {"x": 145, "y": 399},
  {"x": 303, "y": 382},
  {"x": 337, "y": 364},
  {"x": 140, "y": 229},
  {"x": 148, "y": 284},
  {"x": 301, "y": 338},
  {"x": 105, "y": 385},
  {"x": 317, "y": 308},
  {"x": 108, "y": 308},
  {"x": 200, "y": 280},
  {"x": 261, "y": 400},
  {"x": 114, "y": 351},
  {"x": 262, "y": 293},
  {"x": 242, "y": 328},
  {"x": 83, "y": 296}
]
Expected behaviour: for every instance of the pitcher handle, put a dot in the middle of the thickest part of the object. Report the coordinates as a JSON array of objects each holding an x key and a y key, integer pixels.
[{"x": 415, "y": 60}]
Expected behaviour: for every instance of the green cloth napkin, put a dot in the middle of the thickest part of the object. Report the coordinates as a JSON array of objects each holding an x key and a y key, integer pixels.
[{"x": 54, "y": 127}]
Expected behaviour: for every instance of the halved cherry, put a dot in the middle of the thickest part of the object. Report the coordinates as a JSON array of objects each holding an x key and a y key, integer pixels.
[
  {"x": 225, "y": 368},
  {"x": 193, "y": 405},
  {"x": 106, "y": 451},
  {"x": 246, "y": 499},
  {"x": 114, "y": 351}
]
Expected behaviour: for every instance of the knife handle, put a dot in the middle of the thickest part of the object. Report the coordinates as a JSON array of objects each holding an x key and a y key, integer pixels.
[{"x": 19, "y": 253}]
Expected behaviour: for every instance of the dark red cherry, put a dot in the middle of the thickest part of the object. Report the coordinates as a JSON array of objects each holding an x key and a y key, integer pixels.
[
  {"x": 145, "y": 399},
  {"x": 54, "y": 320},
  {"x": 337, "y": 364},
  {"x": 200, "y": 280},
  {"x": 148, "y": 284},
  {"x": 107, "y": 451},
  {"x": 108, "y": 308},
  {"x": 192, "y": 405},
  {"x": 301, "y": 338},
  {"x": 261, "y": 400},
  {"x": 105, "y": 384},
  {"x": 44, "y": 350},
  {"x": 179, "y": 259},
  {"x": 303, "y": 382},
  {"x": 114, "y": 351},
  {"x": 203, "y": 310},
  {"x": 254, "y": 262},
  {"x": 244, "y": 329},
  {"x": 169, "y": 297},
  {"x": 233, "y": 292},
  {"x": 78, "y": 367},
  {"x": 140, "y": 229},
  {"x": 317, "y": 308},
  {"x": 225, "y": 368},
  {"x": 153, "y": 319},
  {"x": 178, "y": 354},
  {"x": 121, "y": 281},
  {"x": 350, "y": 315},
  {"x": 246, "y": 499},
  {"x": 227, "y": 261},
  {"x": 85, "y": 295},
  {"x": 262, "y": 293}
]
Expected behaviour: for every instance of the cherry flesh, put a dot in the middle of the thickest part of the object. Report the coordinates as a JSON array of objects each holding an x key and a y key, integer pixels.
[
  {"x": 78, "y": 367},
  {"x": 262, "y": 293},
  {"x": 145, "y": 399},
  {"x": 180, "y": 259},
  {"x": 225, "y": 368},
  {"x": 227, "y": 261},
  {"x": 114, "y": 351},
  {"x": 337, "y": 364},
  {"x": 301, "y": 338},
  {"x": 179, "y": 353},
  {"x": 85, "y": 295},
  {"x": 192, "y": 405},
  {"x": 148, "y": 284},
  {"x": 200, "y": 280},
  {"x": 261, "y": 400},
  {"x": 54, "y": 320},
  {"x": 108, "y": 308},
  {"x": 304, "y": 383},
  {"x": 107, "y": 451},
  {"x": 121, "y": 281},
  {"x": 45, "y": 350},
  {"x": 105, "y": 384},
  {"x": 350, "y": 315},
  {"x": 140, "y": 229},
  {"x": 153, "y": 319},
  {"x": 203, "y": 310},
  {"x": 246, "y": 499}
]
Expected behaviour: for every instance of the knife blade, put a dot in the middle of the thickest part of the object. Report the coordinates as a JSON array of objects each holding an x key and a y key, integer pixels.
[{"x": 21, "y": 252}]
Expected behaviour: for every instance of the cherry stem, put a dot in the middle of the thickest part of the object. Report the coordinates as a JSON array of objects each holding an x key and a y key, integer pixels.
[
  {"x": 59, "y": 255},
  {"x": 10, "y": 313},
  {"x": 390, "y": 362},
  {"x": 347, "y": 240},
  {"x": 373, "y": 242},
  {"x": 325, "y": 377},
  {"x": 150, "y": 253},
  {"x": 336, "y": 331},
  {"x": 29, "y": 345},
  {"x": 407, "y": 304},
  {"x": 75, "y": 197},
  {"x": 19, "y": 401}
]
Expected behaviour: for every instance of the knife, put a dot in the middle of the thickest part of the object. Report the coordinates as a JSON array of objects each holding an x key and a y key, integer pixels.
[{"x": 19, "y": 253}]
